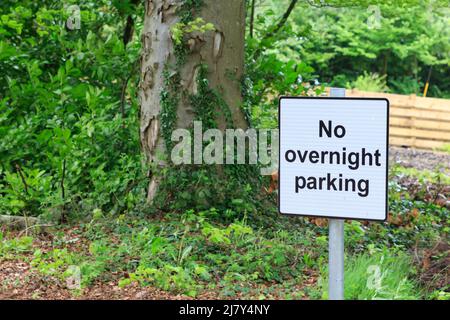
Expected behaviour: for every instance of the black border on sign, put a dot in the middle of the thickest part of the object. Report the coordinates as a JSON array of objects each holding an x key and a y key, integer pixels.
[{"x": 387, "y": 156}]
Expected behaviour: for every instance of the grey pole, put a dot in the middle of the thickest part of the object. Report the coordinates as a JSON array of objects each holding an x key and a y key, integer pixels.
[{"x": 336, "y": 244}]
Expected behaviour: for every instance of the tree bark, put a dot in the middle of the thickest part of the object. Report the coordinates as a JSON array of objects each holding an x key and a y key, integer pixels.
[{"x": 221, "y": 50}]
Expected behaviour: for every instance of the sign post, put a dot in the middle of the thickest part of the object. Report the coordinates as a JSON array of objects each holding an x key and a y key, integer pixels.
[
  {"x": 334, "y": 164},
  {"x": 336, "y": 243},
  {"x": 336, "y": 259}
]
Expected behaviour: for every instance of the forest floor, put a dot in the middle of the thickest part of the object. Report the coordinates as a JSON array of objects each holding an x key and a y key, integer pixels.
[
  {"x": 20, "y": 280},
  {"x": 35, "y": 267}
]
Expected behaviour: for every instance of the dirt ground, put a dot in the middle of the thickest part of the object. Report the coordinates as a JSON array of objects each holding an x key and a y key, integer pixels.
[
  {"x": 19, "y": 281},
  {"x": 419, "y": 159}
]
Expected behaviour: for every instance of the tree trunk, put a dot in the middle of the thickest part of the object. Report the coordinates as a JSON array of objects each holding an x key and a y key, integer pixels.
[{"x": 221, "y": 50}]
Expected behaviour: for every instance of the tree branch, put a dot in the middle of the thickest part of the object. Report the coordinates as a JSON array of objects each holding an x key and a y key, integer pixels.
[
  {"x": 278, "y": 27},
  {"x": 63, "y": 193},
  {"x": 283, "y": 20},
  {"x": 124, "y": 91},
  {"x": 129, "y": 25},
  {"x": 22, "y": 177},
  {"x": 128, "y": 31},
  {"x": 252, "y": 18}
]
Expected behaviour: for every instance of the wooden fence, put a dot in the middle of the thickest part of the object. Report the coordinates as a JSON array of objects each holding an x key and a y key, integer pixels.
[{"x": 415, "y": 121}]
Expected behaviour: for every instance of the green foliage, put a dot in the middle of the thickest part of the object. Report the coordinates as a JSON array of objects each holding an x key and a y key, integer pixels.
[
  {"x": 406, "y": 85},
  {"x": 187, "y": 25},
  {"x": 179, "y": 256},
  {"x": 24, "y": 191},
  {"x": 270, "y": 73},
  {"x": 13, "y": 248},
  {"x": 188, "y": 10},
  {"x": 196, "y": 252},
  {"x": 169, "y": 98},
  {"x": 445, "y": 148},
  {"x": 61, "y": 263},
  {"x": 204, "y": 186},
  {"x": 438, "y": 176},
  {"x": 369, "y": 82},
  {"x": 61, "y": 123},
  {"x": 180, "y": 253},
  {"x": 413, "y": 220},
  {"x": 180, "y": 30}
]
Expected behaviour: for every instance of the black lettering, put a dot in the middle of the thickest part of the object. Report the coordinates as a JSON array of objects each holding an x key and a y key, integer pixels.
[
  {"x": 321, "y": 181},
  {"x": 342, "y": 129},
  {"x": 353, "y": 160},
  {"x": 363, "y": 190},
  {"x": 364, "y": 155},
  {"x": 377, "y": 158},
  {"x": 324, "y": 153},
  {"x": 322, "y": 126},
  {"x": 312, "y": 183},
  {"x": 334, "y": 154},
  {"x": 330, "y": 182},
  {"x": 347, "y": 182},
  {"x": 314, "y": 157},
  {"x": 302, "y": 156},
  {"x": 287, "y": 157},
  {"x": 299, "y": 186}
]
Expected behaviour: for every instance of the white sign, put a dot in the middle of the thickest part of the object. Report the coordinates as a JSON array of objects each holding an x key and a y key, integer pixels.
[{"x": 334, "y": 157}]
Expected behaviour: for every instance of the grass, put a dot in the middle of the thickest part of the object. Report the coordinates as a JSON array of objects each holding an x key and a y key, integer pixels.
[
  {"x": 377, "y": 276},
  {"x": 445, "y": 148}
]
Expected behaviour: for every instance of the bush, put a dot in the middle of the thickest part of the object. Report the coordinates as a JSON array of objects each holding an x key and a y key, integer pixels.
[{"x": 372, "y": 82}]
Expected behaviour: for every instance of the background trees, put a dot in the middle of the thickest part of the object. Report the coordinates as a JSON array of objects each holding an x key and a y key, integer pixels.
[
  {"x": 401, "y": 42},
  {"x": 68, "y": 109}
]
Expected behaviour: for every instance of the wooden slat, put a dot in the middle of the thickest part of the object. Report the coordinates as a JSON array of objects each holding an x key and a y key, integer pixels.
[
  {"x": 419, "y": 133},
  {"x": 433, "y": 104},
  {"x": 420, "y": 124},
  {"x": 417, "y": 143},
  {"x": 405, "y": 101},
  {"x": 422, "y": 114}
]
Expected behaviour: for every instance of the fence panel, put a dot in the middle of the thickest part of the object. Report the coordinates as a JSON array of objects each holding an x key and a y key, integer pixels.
[{"x": 415, "y": 121}]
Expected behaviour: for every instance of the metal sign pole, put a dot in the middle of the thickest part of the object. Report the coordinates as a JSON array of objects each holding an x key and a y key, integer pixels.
[
  {"x": 336, "y": 244},
  {"x": 336, "y": 259}
]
